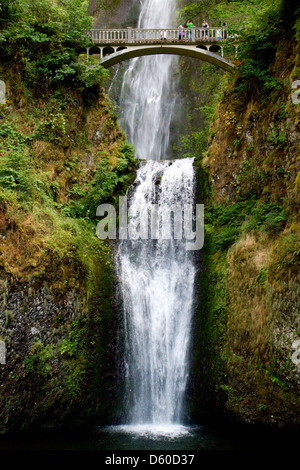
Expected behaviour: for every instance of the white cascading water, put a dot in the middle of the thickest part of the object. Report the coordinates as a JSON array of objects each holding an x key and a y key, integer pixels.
[
  {"x": 147, "y": 95},
  {"x": 157, "y": 282},
  {"x": 156, "y": 276}
]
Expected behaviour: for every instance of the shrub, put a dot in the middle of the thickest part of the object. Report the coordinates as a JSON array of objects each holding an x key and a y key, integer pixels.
[
  {"x": 257, "y": 45},
  {"x": 15, "y": 173},
  {"x": 105, "y": 181},
  {"x": 268, "y": 217},
  {"x": 45, "y": 37}
]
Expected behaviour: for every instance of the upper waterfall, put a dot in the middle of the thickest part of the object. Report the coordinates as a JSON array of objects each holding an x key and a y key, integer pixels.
[{"x": 148, "y": 95}]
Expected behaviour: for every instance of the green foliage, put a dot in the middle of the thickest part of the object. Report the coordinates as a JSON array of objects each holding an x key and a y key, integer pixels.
[
  {"x": 262, "y": 26},
  {"x": 52, "y": 128},
  {"x": 262, "y": 277},
  {"x": 74, "y": 344},
  {"x": 234, "y": 12},
  {"x": 17, "y": 176},
  {"x": 44, "y": 173},
  {"x": 261, "y": 407},
  {"x": 223, "y": 221},
  {"x": 257, "y": 44},
  {"x": 105, "y": 181},
  {"x": 15, "y": 173},
  {"x": 8, "y": 132},
  {"x": 226, "y": 237},
  {"x": 226, "y": 222},
  {"x": 265, "y": 216},
  {"x": 68, "y": 348},
  {"x": 91, "y": 73},
  {"x": 196, "y": 142},
  {"x": 209, "y": 331},
  {"x": 252, "y": 71},
  {"x": 38, "y": 360},
  {"x": 286, "y": 254},
  {"x": 45, "y": 37},
  {"x": 7, "y": 10},
  {"x": 191, "y": 11},
  {"x": 277, "y": 139},
  {"x": 276, "y": 381},
  {"x": 204, "y": 85}
]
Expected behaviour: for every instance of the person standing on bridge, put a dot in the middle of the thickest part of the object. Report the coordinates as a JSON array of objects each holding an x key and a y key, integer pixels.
[
  {"x": 224, "y": 25},
  {"x": 181, "y": 33},
  {"x": 205, "y": 25},
  {"x": 189, "y": 29}
]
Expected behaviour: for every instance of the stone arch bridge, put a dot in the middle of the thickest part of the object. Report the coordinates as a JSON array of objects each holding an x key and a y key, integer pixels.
[{"x": 116, "y": 45}]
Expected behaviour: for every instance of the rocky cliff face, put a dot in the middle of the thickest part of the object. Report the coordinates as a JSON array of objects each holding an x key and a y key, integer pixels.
[
  {"x": 250, "y": 315},
  {"x": 115, "y": 13},
  {"x": 58, "y": 313}
]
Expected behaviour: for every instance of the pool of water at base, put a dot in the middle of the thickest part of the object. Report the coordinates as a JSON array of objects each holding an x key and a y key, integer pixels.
[{"x": 172, "y": 438}]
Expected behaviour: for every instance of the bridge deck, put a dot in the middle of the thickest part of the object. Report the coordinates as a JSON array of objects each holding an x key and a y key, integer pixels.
[{"x": 136, "y": 36}]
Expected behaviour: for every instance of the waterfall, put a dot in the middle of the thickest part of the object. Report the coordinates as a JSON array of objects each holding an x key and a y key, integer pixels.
[
  {"x": 156, "y": 275},
  {"x": 148, "y": 95},
  {"x": 157, "y": 282}
]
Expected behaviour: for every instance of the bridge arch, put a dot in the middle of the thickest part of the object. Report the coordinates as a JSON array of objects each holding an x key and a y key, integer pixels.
[
  {"x": 131, "y": 52},
  {"x": 108, "y": 51},
  {"x": 215, "y": 48}
]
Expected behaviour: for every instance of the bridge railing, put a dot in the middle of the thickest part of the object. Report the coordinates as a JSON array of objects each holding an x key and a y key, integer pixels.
[
  {"x": 135, "y": 35},
  {"x": 211, "y": 33},
  {"x": 108, "y": 35}
]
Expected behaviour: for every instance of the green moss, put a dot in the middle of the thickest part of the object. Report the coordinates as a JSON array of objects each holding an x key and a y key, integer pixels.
[
  {"x": 208, "y": 365},
  {"x": 37, "y": 363},
  {"x": 284, "y": 259}
]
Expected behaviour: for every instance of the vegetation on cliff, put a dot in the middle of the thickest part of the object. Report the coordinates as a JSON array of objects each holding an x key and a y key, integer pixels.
[
  {"x": 249, "y": 294},
  {"x": 61, "y": 155}
]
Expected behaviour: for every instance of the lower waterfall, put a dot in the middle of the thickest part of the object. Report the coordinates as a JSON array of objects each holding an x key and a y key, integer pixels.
[{"x": 157, "y": 283}]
